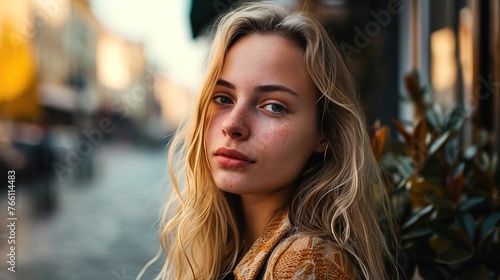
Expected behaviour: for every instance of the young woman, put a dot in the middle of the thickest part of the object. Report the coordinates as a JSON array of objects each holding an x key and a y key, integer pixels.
[{"x": 274, "y": 176}]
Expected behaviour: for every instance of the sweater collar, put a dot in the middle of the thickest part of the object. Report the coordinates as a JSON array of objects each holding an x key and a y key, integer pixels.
[{"x": 251, "y": 264}]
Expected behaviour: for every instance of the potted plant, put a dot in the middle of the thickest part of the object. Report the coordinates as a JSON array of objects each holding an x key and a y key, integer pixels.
[{"x": 445, "y": 200}]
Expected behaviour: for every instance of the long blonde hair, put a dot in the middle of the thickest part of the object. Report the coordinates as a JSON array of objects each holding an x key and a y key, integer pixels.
[{"x": 340, "y": 194}]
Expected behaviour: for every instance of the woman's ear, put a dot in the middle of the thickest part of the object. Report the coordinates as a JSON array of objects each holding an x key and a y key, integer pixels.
[{"x": 322, "y": 144}]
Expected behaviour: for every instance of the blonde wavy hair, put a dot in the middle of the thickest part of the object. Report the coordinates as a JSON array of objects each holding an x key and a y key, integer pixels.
[{"x": 340, "y": 194}]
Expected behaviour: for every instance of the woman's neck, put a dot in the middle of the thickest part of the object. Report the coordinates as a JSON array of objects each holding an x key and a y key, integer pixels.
[
  {"x": 256, "y": 217},
  {"x": 257, "y": 212}
]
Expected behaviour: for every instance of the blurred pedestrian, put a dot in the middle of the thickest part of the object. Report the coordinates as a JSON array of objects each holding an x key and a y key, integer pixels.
[{"x": 274, "y": 175}]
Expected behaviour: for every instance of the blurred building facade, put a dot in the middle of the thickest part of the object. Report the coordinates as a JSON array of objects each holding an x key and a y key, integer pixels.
[
  {"x": 127, "y": 84},
  {"x": 61, "y": 93},
  {"x": 65, "y": 48}
]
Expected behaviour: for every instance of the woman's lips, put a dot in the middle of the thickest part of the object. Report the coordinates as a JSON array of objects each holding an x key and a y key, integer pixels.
[{"x": 232, "y": 158}]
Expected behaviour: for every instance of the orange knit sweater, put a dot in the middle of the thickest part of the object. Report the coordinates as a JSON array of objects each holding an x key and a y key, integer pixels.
[{"x": 293, "y": 256}]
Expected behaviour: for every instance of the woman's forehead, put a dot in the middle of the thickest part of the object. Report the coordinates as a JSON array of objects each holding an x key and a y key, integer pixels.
[{"x": 266, "y": 60}]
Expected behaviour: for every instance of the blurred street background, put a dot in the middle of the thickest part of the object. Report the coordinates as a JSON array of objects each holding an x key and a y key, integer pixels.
[
  {"x": 103, "y": 228},
  {"x": 91, "y": 92}
]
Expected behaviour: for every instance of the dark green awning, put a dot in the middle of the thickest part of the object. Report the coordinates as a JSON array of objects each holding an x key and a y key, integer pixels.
[{"x": 204, "y": 13}]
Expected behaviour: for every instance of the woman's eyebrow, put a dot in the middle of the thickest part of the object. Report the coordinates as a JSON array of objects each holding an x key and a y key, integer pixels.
[
  {"x": 281, "y": 88},
  {"x": 224, "y": 83},
  {"x": 262, "y": 88}
]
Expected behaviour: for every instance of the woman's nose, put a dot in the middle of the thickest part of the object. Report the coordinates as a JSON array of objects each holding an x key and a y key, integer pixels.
[{"x": 236, "y": 124}]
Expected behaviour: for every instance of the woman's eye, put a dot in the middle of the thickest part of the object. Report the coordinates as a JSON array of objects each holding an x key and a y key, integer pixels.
[
  {"x": 221, "y": 99},
  {"x": 275, "y": 108}
]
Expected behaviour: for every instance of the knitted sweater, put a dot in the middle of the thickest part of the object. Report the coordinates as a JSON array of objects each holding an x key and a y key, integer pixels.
[{"x": 292, "y": 256}]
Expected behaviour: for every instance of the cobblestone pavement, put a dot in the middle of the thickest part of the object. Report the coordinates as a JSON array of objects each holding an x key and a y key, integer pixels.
[{"x": 105, "y": 228}]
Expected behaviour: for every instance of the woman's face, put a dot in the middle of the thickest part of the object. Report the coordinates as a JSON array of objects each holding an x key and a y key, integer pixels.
[{"x": 262, "y": 122}]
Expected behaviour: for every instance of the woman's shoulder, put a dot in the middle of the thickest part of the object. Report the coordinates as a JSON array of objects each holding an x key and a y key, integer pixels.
[{"x": 308, "y": 257}]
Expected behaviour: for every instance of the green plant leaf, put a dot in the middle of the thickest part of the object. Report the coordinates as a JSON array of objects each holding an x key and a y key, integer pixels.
[
  {"x": 438, "y": 243},
  {"x": 470, "y": 152},
  {"x": 441, "y": 203},
  {"x": 418, "y": 233},
  {"x": 426, "y": 93},
  {"x": 489, "y": 246},
  {"x": 484, "y": 159},
  {"x": 405, "y": 168},
  {"x": 466, "y": 222},
  {"x": 458, "y": 170},
  {"x": 434, "y": 116},
  {"x": 483, "y": 138},
  {"x": 471, "y": 203},
  {"x": 439, "y": 112},
  {"x": 456, "y": 119},
  {"x": 452, "y": 233},
  {"x": 451, "y": 150},
  {"x": 419, "y": 190},
  {"x": 489, "y": 223},
  {"x": 438, "y": 143},
  {"x": 417, "y": 216},
  {"x": 453, "y": 256}
]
